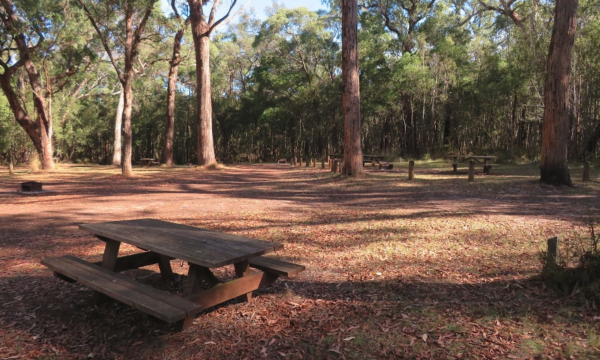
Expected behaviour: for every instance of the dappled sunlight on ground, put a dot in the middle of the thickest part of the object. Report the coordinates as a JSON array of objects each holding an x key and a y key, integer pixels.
[{"x": 433, "y": 268}]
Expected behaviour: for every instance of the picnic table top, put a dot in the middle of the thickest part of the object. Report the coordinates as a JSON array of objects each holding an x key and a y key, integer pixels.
[
  {"x": 211, "y": 249},
  {"x": 475, "y": 156},
  {"x": 364, "y": 156}
]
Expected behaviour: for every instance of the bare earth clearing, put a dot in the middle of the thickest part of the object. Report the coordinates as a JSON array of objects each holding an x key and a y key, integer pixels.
[{"x": 435, "y": 268}]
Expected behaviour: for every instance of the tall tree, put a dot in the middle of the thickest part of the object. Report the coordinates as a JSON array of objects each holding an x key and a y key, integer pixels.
[
  {"x": 123, "y": 14},
  {"x": 167, "y": 152},
  {"x": 555, "y": 142},
  {"x": 353, "y": 164},
  {"x": 202, "y": 28},
  {"x": 118, "y": 128},
  {"x": 18, "y": 52}
]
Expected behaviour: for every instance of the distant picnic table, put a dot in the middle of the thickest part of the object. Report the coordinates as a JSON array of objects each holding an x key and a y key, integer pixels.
[
  {"x": 366, "y": 158},
  {"x": 161, "y": 242},
  {"x": 486, "y": 160},
  {"x": 148, "y": 162}
]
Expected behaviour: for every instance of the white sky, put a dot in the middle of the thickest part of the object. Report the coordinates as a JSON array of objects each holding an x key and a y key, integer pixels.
[{"x": 258, "y": 5}]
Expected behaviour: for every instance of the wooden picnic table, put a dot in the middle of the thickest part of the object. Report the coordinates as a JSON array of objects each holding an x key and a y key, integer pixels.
[
  {"x": 161, "y": 242},
  {"x": 481, "y": 159},
  {"x": 366, "y": 158},
  {"x": 147, "y": 162}
]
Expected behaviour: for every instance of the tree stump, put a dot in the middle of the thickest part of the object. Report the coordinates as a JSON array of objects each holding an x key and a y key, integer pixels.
[
  {"x": 552, "y": 254},
  {"x": 471, "y": 170},
  {"x": 586, "y": 171},
  {"x": 411, "y": 170}
]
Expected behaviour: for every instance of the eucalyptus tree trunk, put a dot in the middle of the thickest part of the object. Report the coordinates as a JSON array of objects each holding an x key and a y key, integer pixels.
[
  {"x": 118, "y": 128},
  {"x": 554, "y": 167},
  {"x": 167, "y": 153},
  {"x": 353, "y": 164},
  {"x": 206, "y": 148}
]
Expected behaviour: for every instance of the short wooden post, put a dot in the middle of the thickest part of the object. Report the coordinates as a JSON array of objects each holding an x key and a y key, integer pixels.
[
  {"x": 411, "y": 170},
  {"x": 330, "y": 164},
  {"x": 552, "y": 251},
  {"x": 308, "y": 160},
  {"x": 334, "y": 166},
  {"x": 340, "y": 165},
  {"x": 586, "y": 171},
  {"x": 294, "y": 162},
  {"x": 10, "y": 168},
  {"x": 471, "y": 170},
  {"x": 300, "y": 161},
  {"x": 455, "y": 167},
  {"x": 314, "y": 162},
  {"x": 323, "y": 163}
]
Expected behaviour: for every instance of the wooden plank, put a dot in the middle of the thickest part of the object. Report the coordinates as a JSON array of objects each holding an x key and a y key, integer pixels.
[
  {"x": 125, "y": 290},
  {"x": 242, "y": 269},
  {"x": 111, "y": 253},
  {"x": 196, "y": 275},
  {"x": 232, "y": 289},
  {"x": 134, "y": 261},
  {"x": 155, "y": 294},
  {"x": 203, "y": 247},
  {"x": 275, "y": 266},
  {"x": 164, "y": 264}
]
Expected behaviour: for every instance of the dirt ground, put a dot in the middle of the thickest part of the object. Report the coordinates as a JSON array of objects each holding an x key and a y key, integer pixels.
[{"x": 436, "y": 268}]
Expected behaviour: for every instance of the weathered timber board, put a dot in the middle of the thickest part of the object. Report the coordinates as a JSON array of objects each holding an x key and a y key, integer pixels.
[
  {"x": 275, "y": 266},
  {"x": 203, "y": 247},
  {"x": 155, "y": 302}
]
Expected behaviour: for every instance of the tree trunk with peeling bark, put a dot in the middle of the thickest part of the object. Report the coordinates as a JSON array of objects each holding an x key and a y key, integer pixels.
[
  {"x": 200, "y": 33},
  {"x": 167, "y": 153},
  {"x": 554, "y": 167},
  {"x": 118, "y": 128},
  {"x": 353, "y": 164}
]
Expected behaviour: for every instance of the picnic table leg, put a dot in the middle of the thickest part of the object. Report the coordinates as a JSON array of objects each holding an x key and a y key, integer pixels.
[
  {"x": 243, "y": 269},
  {"x": 164, "y": 264},
  {"x": 196, "y": 275},
  {"x": 109, "y": 261}
]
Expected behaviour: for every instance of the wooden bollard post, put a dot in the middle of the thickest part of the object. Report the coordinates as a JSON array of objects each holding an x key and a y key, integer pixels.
[
  {"x": 314, "y": 162},
  {"x": 471, "y": 170},
  {"x": 334, "y": 166},
  {"x": 323, "y": 163},
  {"x": 330, "y": 164},
  {"x": 411, "y": 170},
  {"x": 300, "y": 161},
  {"x": 308, "y": 160},
  {"x": 10, "y": 168},
  {"x": 552, "y": 251},
  {"x": 294, "y": 162},
  {"x": 340, "y": 165},
  {"x": 586, "y": 171}
]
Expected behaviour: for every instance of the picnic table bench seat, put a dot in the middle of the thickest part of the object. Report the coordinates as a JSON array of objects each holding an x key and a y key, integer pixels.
[
  {"x": 274, "y": 266},
  {"x": 164, "y": 306}
]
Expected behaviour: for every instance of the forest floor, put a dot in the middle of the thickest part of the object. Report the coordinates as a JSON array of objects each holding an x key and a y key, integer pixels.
[{"x": 436, "y": 268}]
